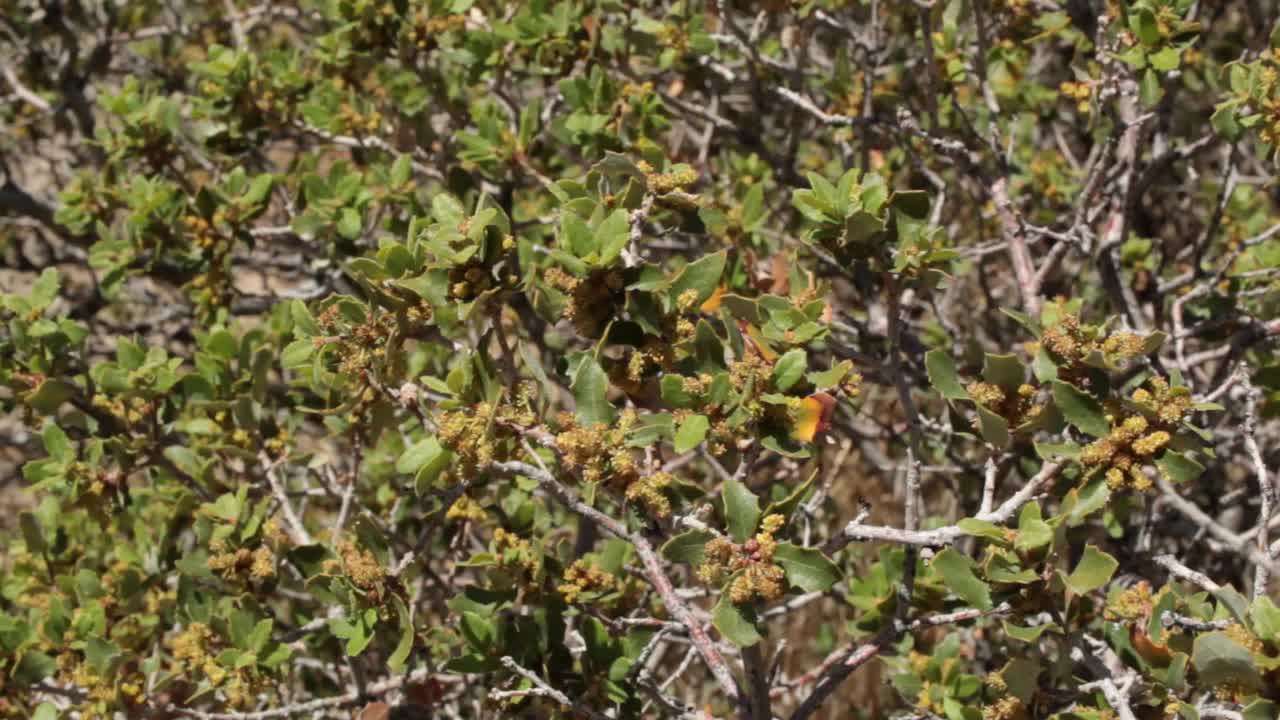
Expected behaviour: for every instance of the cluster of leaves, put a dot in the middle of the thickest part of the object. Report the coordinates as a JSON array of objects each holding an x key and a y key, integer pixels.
[{"x": 502, "y": 359}]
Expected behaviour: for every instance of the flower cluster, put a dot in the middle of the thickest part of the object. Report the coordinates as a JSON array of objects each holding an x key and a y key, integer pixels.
[
  {"x": 583, "y": 577},
  {"x": 1076, "y": 345},
  {"x": 1136, "y": 440},
  {"x": 750, "y": 564},
  {"x": 1016, "y": 407}
]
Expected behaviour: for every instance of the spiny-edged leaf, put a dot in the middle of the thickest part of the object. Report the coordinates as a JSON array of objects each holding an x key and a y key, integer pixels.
[
  {"x": 612, "y": 235},
  {"x": 1003, "y": 370},
  {"x": 701, "y": 276},
  {"x": 1080, "y": 409},
  {"x": 789, "y": 368},
  {"x": 943, "y": 376},
  {"x": 741, "y": 510},
  {"x": 788, "y": 504},
  {"x": 1219, "y": 659},
  {"x": 1020, "y": 676},
  {"x": 1260, "y": 709},
  {"x": 1043, "y": 366},
  {"x": 691, "y": 433},
  {"x": 735, "y": 623},
  {"x": 806, "y": 568},
  {"x": 590, "y": 393},
  {"x": 1079, "y": 503},
  {"x": 1266, "y": 618},
  {"x": 1049, "y": 451},
  {"x": 957, "y": 573},
  {"x": 995, "y": 429},
  {"x": 418, "y": 454},
  {"x": 1029, "y": 634},
  {"x": 688, "y": 547},
  {"x": 99, "y": 654},
  {"x": 479, "y": 632},
  {"x": 1092, "y": 572},
  {"x": 983, "y": 529},
  {"x": 1178, "y": 467},
  {"x": 1033, "y": 531}
]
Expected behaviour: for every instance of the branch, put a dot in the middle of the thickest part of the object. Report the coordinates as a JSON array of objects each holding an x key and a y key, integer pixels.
[
  {"x": 855, "y": 531},
  {"x": 714, "y": 661}
]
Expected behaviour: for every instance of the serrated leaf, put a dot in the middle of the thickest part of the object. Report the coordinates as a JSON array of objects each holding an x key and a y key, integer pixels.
[
  {"x": 687, "y": 547},
  {"x": 806, "y": 568},
  {"x": 1219, "y": 659},
  {"x": 735, "y": 623},
  {"x": 995, "y": 429},
  {"x": 1080, "y": 409},
  {"x": 741, "y": 510},
  {"x": 1003, "y": 370},
  {"x": 702, "y": 276},
  {"x": 1033, "y": 531},
  {"x": 1092, "y": 572},
  {"x": 983, "y": 529},
  {"x": 612, "y": 235},
  {"x": 419, "y": 454},
  {"x": 943, "y": 376},
  {"x": 1178, "y": 467},
  {"x": 691, "y": 433},
  {"x": 956, "y": 571}
]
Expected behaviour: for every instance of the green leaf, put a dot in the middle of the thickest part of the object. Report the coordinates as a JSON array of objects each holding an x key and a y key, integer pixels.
[
  {"x": 590, "y": 393},
  {"x": 419, "y": 454},
  {"x": 943, "y": 376},
  {"x": 44, "y": 289},
  {"x": 957, "y": 573},
  {"x": 1266, "y": 618},
  {"x": 612, "y": 235},
  {"x": 701, "y": 276},
  {"x": 1260, "y": 709},
  {"x": 1224, "y": 122},
  {"x": 1003, "y": 370},
  {"x": 983, "y": 529},
  {"x": 691, "y": 433},
  {"x": 1092, "y": 572},
  {"x": 350, "y": 224},
  {"x": 46, "y": 711},
  {"x": 806, "y": 568},
  {"x": 687, "y": 547},
  {"x": 1080, "y": 409},
  {"x": 56, "y": 442},
  {"x": 32, "y": 533},
  {"x": 1033, "y": 532},
  {"x": 99, "y": 654},
  {"x": 734, "y": 622},
  {"x": 741, "y": 510},
  {"x": 1178, "y": 467},
  {"x": 1142, "y": 22},
  {"x": 789, "y": 369},
  {"x": 398, "y": 657},
  {"x": 1219, "y": 659},
  {"x": 297, "y": 353},
  {"x": 1028, "y": 634},
  {"x": 995, "y": 429},
  {"x": 1149, "y": 89}
]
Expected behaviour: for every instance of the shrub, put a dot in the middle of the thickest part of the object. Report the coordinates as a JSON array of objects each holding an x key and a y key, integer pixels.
[{"x": 453, "y": 358}]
